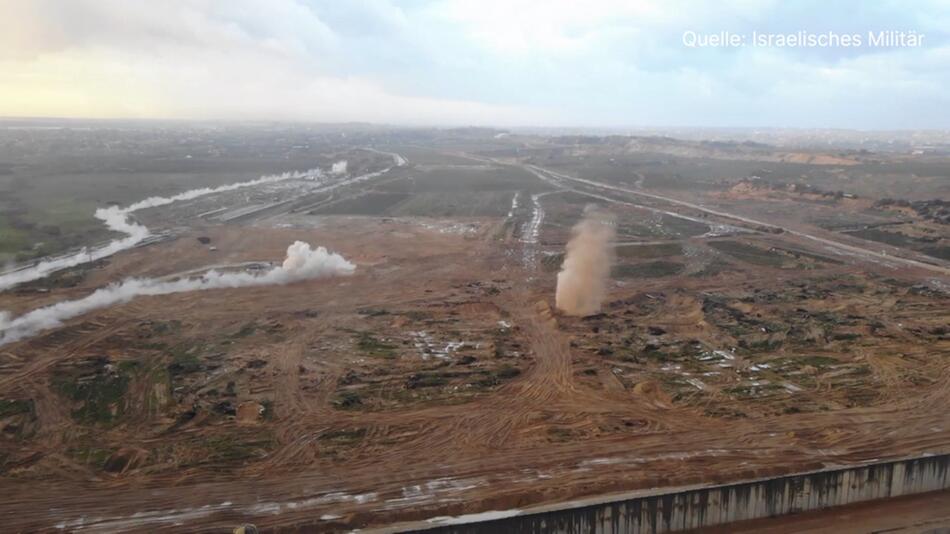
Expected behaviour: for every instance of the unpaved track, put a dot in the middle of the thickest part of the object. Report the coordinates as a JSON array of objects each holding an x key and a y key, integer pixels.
[
  {"x": 838, "y": 246},
  {"x": 500, "y": 468},
  {"x": 489, "y": 448},
  {"x": 491, "y": 453}
]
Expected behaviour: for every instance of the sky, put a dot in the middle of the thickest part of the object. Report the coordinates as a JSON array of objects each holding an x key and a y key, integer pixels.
[{"x": 581, "y": 63}]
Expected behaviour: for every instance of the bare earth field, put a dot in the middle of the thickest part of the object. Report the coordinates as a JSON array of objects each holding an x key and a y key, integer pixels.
[
  {"x": 928, "y": 512},
  {"x": 439, "y": 381}
]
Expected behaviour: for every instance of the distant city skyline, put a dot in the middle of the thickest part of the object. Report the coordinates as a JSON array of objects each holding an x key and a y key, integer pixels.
[{"x": 876, "y": 65}]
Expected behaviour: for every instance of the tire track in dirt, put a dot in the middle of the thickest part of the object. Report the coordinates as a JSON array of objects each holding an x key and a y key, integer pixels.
[
  {"x": 837, "y": 246},
  {"x": 494, "y": 446}
]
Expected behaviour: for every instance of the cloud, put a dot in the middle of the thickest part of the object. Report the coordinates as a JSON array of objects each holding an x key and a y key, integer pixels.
[
  {"x": 280, "y": 27},
  {"x": 240, "y": 59},
  {"x": 504, "y": 62}
]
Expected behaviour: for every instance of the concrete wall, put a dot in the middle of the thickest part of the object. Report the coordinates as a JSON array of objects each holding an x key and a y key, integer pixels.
[{"x": 714, "y": 505}]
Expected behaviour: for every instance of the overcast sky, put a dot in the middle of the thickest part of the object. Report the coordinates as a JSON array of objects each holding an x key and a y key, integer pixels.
[{"x": 486, "y": 62}]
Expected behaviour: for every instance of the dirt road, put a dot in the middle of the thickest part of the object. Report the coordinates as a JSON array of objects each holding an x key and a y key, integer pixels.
[
  {"x": 836, "y": 245},
  {"x": 561, "y": 424}
]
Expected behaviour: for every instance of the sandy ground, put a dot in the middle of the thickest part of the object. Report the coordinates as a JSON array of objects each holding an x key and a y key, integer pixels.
[
  {"x": 498, "y": 449},
  {"x": 924, "y": 513}
]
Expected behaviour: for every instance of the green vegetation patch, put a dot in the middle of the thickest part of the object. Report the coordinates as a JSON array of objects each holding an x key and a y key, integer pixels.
[
  {"x": 649, "y": 252},
  {"x": 184, "y": 360},
  {"x": 166, "y": 327},
  {"x": 559, "y": 434},
  {"x": 713, "y": 268},
  {"x": 861, "y": 397},
  {"x": 100, "y": 393},
  {"x": 89, "y": 455},
  {"x": 269, "y": 413},
  {"x": 489, "y": 379},
  {"x": 895, "y": 238},
  {"x": 654, "y": 269},
  {"x": 347, "y": 436},
  {"x": 638, "y": 230},
  {"x": 748, "y": 253},
  {"x": 426, "y": 380},
  {"x": 236, "y": 448},
  {"x": 469, "y": 179},
  {"x": 372, "y": 346},
  {"x": 366, "y": 204},
  {"x": 455, "y": 204},
  {"x": 797, "y": 362},
  {"x": 348, "y": 400},
  {"x": 684, "y": 227},
  {"x": 12, "y": 240},
  {"x": 818, "y": 361},
  {"x": 36, "y": 226},
  {"x": 246, "y": 330},
  {"x": 937, "y": 252},
  {"x": 750, "y": 391},
  {"x": 10, "y": 407},
  {"x": 159, "y": 395},
  {"x": 801, "y": 254}
]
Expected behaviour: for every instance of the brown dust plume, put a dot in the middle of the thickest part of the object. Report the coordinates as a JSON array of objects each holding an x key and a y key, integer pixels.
[{"x": 582, "y": 282}]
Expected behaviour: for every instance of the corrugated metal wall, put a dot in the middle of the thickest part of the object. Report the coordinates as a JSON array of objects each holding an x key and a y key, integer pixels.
[{"x": 716, "y": 505}]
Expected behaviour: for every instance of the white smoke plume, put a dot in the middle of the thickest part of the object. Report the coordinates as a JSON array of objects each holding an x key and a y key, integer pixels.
[
  {"x": 582, "y": 282},
  {"x": 117, "y": 219},
  {"x": 338, "y": 168},
  {"x": 301, "y": 263}
]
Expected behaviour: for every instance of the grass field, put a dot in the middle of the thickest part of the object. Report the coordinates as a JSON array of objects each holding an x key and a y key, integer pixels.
[
  {"x": 455, "y": 204},
  {"x": 748, "y": 253},
  {"x": 653, "y": 269},
  {"x": 467, "y": 178},
  {"x": 660, "y": 250}
]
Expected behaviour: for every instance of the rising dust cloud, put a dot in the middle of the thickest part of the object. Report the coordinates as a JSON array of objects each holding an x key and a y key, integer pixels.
[{"x": 582, "y": 282}]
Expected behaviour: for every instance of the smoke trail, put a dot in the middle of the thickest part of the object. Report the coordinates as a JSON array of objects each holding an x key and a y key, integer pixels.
[
  {"x": 116, "y": 219},
  {"x": 582, "y": 282},
  {"x": 301, "y": 263}
]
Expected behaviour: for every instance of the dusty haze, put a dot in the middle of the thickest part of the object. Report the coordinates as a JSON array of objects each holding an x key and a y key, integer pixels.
[{"x": 582, "y": 282}]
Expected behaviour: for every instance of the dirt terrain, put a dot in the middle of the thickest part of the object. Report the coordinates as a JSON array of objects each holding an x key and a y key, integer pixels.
[
  {"x": 438, "y": 380},
  {"x": 928, "y": 512}
]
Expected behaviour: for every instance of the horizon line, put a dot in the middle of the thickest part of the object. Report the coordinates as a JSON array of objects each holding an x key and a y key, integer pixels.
[{"x": 384, "y": 124}]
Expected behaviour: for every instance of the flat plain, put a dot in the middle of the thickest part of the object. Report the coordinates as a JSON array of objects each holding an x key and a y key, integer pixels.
[{"x": 771, "y": 310}]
